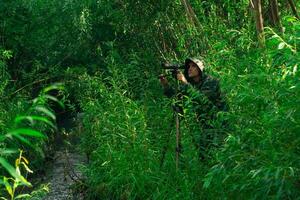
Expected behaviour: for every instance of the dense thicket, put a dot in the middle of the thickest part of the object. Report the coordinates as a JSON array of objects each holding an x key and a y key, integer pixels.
[{"x": 108, "y": 54}]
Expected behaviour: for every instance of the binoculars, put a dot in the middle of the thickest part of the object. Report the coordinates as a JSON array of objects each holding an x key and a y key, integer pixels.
[{"x": 172, "y": 68}]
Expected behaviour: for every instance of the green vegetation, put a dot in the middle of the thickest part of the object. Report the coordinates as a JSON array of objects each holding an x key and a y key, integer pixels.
[
  {"x": 30, "y": 129},
  {"x": 108, "y": 55}
]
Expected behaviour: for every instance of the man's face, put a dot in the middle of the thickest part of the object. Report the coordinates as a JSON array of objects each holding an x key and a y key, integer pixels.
[{"x": 193, "y": 70}]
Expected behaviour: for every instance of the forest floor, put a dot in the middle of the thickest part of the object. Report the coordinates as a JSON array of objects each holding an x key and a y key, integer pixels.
[{"x": 64, "y": 171}]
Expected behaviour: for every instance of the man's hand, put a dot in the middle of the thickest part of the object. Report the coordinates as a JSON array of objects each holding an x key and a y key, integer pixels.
[
  {"x": 163, "y": 80},
  {"x": 181, "y": 78}
]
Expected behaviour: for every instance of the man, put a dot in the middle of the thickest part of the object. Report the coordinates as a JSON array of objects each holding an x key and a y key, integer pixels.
[{"x": 202, "y": 94}]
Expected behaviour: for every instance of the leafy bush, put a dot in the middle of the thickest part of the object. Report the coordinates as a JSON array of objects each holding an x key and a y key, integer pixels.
[
  {"x": 259, "y": 159},
  {"x": 116, "y": 141},
  {"x": 29, "y": 129}
]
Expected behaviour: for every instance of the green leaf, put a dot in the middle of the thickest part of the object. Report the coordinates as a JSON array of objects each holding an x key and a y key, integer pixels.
[
  {"x": 281, "y": 45},
  {"x": 22, "y": 139},
  {"x": 8, "y": 186},
  {"x": 46, "y": 111},
  {"x": 54, "y": 99},
  {"x": 36, "y": 118},
  {"x": 10, "y": 169},
  {"x": 7, "y": 54},
  {"x": 57, "y": 86},
  {"x": 207, "y": 181},
  {"x": 26, "y": 167},
  {"x": 8, "y": 151},
  {"x": 291, "y": 19},
  {"x": 2, "y": 137},
  {"x": 28, "y": 132},
  {"x": 20, "y": 196}
]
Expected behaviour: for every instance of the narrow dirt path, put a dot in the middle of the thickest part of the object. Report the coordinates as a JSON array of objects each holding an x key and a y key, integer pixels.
[
  {"x": 64, "y": 173},
  {"x": 64, "y": 170}
]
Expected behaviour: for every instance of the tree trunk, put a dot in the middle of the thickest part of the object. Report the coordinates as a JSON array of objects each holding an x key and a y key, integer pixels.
[
  {"x": 190, "y": 13},
  {"x": 256, "y": 4},
  {"x": 194, "y": 21},
  {"x": 294, "y": 9},
  {"x": 275, "y": 14}
]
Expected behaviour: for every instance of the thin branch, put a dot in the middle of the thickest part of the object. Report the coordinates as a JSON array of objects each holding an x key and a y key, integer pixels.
[{"x": 294, "y": 9}]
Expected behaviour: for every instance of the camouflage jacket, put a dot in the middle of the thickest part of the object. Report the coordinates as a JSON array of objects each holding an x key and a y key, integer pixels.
[{"x": 204, "y": 98}]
